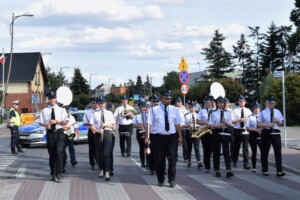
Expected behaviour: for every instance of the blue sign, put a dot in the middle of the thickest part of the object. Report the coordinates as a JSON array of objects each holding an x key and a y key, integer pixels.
[
  {"x": 184, "y": 77},
  {"x": 136, "y": 97}
]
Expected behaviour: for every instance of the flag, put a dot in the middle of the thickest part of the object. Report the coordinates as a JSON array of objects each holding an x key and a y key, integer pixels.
[{"x": 2, "y": 59}]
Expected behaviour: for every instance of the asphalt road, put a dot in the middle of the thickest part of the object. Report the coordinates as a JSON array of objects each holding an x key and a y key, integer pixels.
[{"x": 26, "y": 176}]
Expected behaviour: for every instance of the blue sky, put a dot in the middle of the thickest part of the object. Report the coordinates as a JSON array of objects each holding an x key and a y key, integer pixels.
[{"x": 120, "y": 39}]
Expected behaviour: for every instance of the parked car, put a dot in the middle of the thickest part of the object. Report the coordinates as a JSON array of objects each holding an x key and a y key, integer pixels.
[{"x": 35, "y": 134}]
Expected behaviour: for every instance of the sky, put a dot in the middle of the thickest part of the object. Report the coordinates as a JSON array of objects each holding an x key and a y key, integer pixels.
[{"x": 112, "y": 41}]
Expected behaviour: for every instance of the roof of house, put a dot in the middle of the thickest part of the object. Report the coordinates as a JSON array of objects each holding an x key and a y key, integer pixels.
[{"x": 23, "y": 66}]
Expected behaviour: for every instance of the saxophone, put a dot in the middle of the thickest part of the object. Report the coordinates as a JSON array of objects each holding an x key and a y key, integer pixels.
[{"x": 199, "y": 132}]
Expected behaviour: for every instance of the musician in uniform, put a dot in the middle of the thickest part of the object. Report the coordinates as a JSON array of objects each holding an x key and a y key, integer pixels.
[
  {"x": 240, "y": 135},
  {"x": 182, "y": 112},
  {"x": 140, "y": 123},
  {"x": 87, "y": 122},
  {"x": 219, "y": 121},
  {"x": 103, "y": 124},
  {"x": 13, "y": 122},
  {"x": 155, "y": 100},
  {"x": 254, "y": 134},
  {"x": 71, "y": 130},
  {"x": 124, "y": 115},
  {"x": 206, "y": 140},
  {"x": 165, "y": 136},
  {"x": 54, "y": 118},
  {"x": 191, "y": 125},
  {"x": 269, "y": 120}
]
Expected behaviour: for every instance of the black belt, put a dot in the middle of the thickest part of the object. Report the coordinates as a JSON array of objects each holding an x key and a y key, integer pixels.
[
  {"x": 271, "y": 130},
  {"x": 240, "y": 129},
  {"x": 56, "y": 130},
  {"x": 164, "y": 134}
]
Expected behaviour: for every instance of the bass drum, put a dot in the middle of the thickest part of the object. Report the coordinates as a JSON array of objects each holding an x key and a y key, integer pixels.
[{"x": 64, "y": 95}]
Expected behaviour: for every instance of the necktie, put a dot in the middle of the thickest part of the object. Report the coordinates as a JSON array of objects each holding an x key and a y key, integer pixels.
[
  {"x": 102, "y": 117},
  {"x": 194, "y": 124},
  {"x": 271, "y": 115},
  {"x": 221, "y": 116},
  {"x": 52, "y": 117},
  {"x": 167, "y": 125},
  {"x": 242, "y": 116}
]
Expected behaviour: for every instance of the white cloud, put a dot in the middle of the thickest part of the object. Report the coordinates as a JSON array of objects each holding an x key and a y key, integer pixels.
[
  {"x": 172, "y": 46},
  {"x": 46, "y": 43},
  {"x": 113, "y": 10},
  {"x": 169, "y": 2},
  {"x": 193, "y": 31},
  {"x": 102, "y": 35},
  {"x": 142, "y": 51}
]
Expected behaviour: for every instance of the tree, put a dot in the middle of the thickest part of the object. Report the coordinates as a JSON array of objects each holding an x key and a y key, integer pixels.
[
  {"x": 139, "y": 87},
  {"x": 218, "y": 58},
  {"x": 233, "y": 88},
  {"x": 79, "y": 84},
  {"x": 241, "y": 53},
  {"x": 54, "y": 79},
  {"x": 171, "y": 81},
  {"x": 257, "y": 36}
]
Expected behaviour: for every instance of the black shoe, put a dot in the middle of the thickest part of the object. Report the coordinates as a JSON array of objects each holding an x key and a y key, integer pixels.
[
  {"x": 107, "y": 178},
  {"x": 229, "y": 174},
  {"x": 128, "y": 155},
  {"x": 59, "y": 177},
  {"x": 266, "y": 173},
  {"x": 74, "y": 163},
  {"x": 218, "y": 174},
  {"x": 189, "y": 164},
  {"x": 92, "y": 167},
  {"x": 247, "y": 167},
  {"x": 280, "y": 174},
  {"x": 54, "y": 178},
  {"x": 200, "y": 165},
  {"x": 14, "y": 152},
  {"x": 63, "y": 171},
  {"x": 143, "y": 165},
  {"x": 151, "y": 172},
  {"x": 111, "y": 173},
  {"x": 21, "y": 151},
  {"x": 160, "y": 184},
  {"x": 172, "y": 184}
]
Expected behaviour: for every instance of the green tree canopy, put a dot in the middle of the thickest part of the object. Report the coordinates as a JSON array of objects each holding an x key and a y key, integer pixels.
[
  {"x": 79, "y": 84},
  {"x": 218, "y": 58}
]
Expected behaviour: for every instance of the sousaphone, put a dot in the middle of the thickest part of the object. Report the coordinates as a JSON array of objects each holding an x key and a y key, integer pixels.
[
  {"x": 216, "y": 90},
  {"x": 64, "y": 97}
]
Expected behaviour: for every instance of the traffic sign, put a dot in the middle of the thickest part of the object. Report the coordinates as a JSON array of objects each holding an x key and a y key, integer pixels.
[
  {"x": 184, "y": 89},
  {"x": 184, "y": 76},
  {"x": 277, "y": 74},
  {"x": 183, "y": 65}
]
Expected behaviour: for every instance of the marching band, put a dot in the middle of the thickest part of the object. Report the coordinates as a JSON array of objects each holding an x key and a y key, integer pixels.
[{"x": 161, "y": 128}]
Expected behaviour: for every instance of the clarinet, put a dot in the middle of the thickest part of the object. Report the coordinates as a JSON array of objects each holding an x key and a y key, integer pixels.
[{"x": 272, "y": 118}]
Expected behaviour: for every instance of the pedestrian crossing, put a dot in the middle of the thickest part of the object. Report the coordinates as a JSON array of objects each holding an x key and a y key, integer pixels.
[
  {"x": 241, "y": 186},
  {"x": 6, "y": 160}
]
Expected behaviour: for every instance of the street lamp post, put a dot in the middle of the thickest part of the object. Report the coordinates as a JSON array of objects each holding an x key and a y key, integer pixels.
[
  {"x": 60, "y": 73},
  {"x": 11, "y": 49},
  {"x": 91, "y": 82},
  {"x": 281, "y": 74}
]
